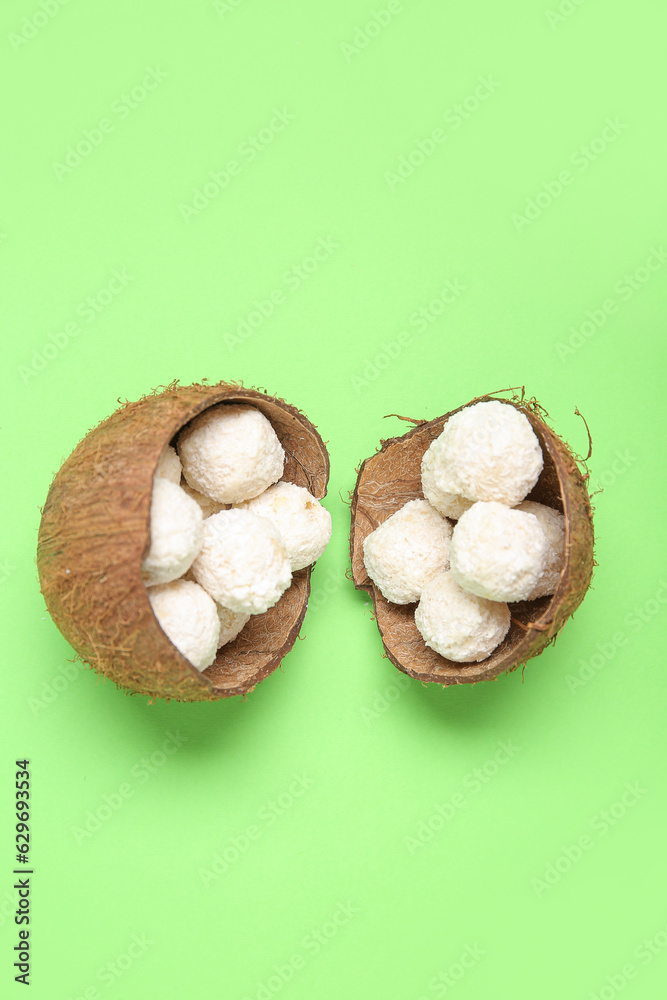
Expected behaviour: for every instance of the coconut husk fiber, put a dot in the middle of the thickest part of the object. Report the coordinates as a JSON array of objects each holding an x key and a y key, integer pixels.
[
  {"x": 391, "y": 477},
  {"x": 95, "y": 532}
]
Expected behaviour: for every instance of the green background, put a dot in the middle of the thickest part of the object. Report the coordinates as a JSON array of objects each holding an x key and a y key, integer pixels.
[{"x": 485, "y": 184}]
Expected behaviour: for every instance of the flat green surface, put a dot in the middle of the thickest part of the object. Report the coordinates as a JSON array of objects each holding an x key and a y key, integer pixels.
[{"x": 365, "y": 213}]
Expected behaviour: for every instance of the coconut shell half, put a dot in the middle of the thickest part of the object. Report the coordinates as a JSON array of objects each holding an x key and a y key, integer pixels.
[
  {"x": 392, "y": 477},
  {"x": 95, "y": 532}
]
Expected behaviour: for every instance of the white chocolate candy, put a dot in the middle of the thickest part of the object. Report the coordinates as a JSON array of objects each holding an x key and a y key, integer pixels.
[
  {"x": 553, "y": 526},
  {"x": 487, "y": 451},
  {"x": 497, "y": 552},
  {"x": 304, "y": 524},
  {"x": 188, "y": 616},
  {"x": 242, "y": 562},
  {"x": 231, "y": 453},
  {"x": 169, "y": 465},
  {"x": 458, "y": 625},
  {"x": 231, "y": 623},
  {"x": 176, "y": 533},
  {"x": 406, "y": 550}
]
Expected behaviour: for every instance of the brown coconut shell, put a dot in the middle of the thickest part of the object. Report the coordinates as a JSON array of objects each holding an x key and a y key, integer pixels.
[
  {"x": 392, "y": 477},
  {"x": 94, "y": 534}
]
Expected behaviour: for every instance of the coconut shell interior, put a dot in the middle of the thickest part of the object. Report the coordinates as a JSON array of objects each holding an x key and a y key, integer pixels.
[
  {"x": 95, "y": 532},
  {"x": 392, "y": 477}
]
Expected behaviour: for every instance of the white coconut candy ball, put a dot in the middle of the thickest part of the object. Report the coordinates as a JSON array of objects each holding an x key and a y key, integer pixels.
[
  {"x": 242, "y": 562},
  {"x": 407, "y": 550},
  {"x": 189, "y": 618},
  {"x": 488, "y": 451},
  {"x": 231, "y": 453},
  {"x": 231, "y": 623},
  {"x": 434, "y": 487},
  {"x": 553, "y": 526},
  {"x": 176, "y": 533},
  {"x": 458, "y": 625},
  {"x": 498, "y": 552},
  {"x": 207, "y": 505},
  {"x": 304, "y": 524},
  {"x": 169, "y": 465}
]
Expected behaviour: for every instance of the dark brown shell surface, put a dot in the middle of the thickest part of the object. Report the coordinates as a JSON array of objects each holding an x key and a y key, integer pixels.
[
  {"x": 95, "y": 531},
  {"x": 392, "y": 476}
]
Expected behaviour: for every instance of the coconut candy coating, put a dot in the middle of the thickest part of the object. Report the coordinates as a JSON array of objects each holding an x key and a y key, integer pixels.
[
  {"x": 487, "y": 451},
  {"x": 303, "y": 523},
  {"x": 188, "y": 616},
  {"x": 242, "y": 562},
  {"x": 169, "y": 466},
  {"x": 406, "y": 550},
  {"x": 175, "y": 532},
  {"x": 208, "y": 506},
  {"x": 231, "y": 623},
  {"x": 230, "y": 452},
  {"x": 497, "y": 552},
  {"x": 458, "y": 625},
  {"x": 434, "y": 486},
  {"x": 553, "y": 525}
]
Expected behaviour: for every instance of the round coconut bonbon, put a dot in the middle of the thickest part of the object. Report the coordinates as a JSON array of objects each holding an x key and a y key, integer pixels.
[
  {"x": 303, "y": 523},
  {"x": 230, "y": 453},
  {"x": 457, "y": 624},
  {"x": 486, "y": 451},
  {"x": 497, "y": 552},
  {"x": 242, "y": 563},
  {"x": 176, "y": 528},
  {"x": 407, "y": 550},
  {"x": 95, "y": 533},
  {"x": 189, "y": 617},
  {"x": 393, "y": 476}
]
